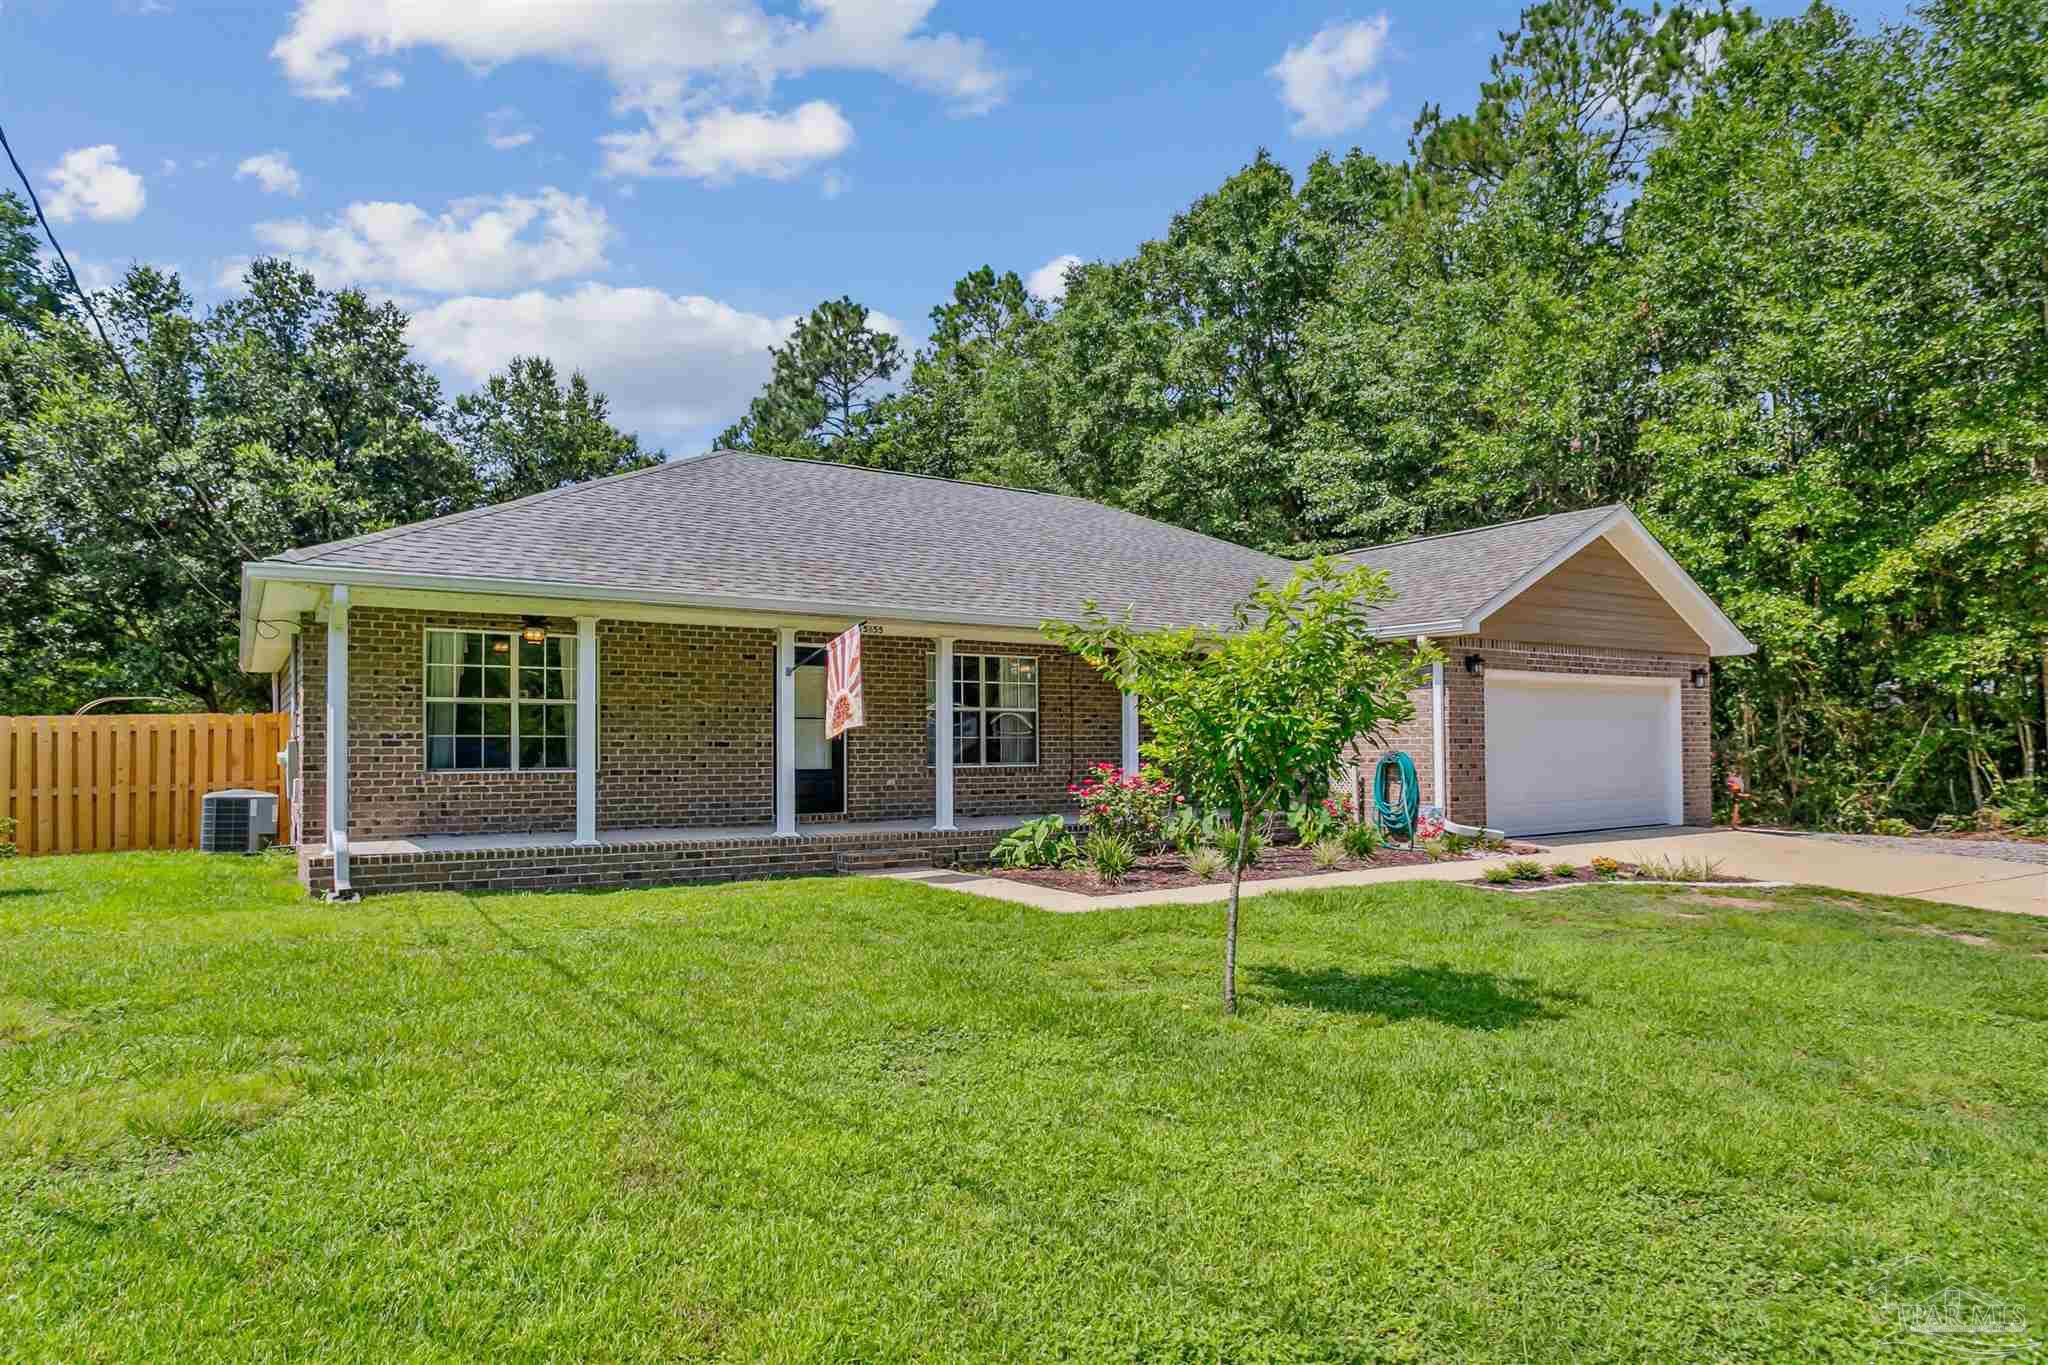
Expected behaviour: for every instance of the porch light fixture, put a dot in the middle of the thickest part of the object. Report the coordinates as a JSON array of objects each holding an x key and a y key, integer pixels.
[
  {"x": 536, "y": 632},
  {"x": 1699, "y": 677},
  {"x": 501, "y": 645},
  {"x": 1474, "y": 664}
]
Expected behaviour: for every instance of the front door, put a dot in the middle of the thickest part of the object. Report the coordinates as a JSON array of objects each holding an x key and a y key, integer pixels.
[{"x": 820, "y": 762}]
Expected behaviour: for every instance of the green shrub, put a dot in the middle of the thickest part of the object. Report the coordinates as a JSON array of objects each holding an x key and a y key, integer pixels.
[
  {"x": 1525, "y": 869},
  {"x": 1364, "y": 840},
  {"x": 1132, "y": 806},
  {"x": 1205, "y": 862},
  {"x": 1667, "y": 869},
  {"x": 1563, "y": 870},
  {"x": 1436, "y": 848},
  {"x": 1043, "y": 842},
  {"x": 1226, "y": 842},
  {"x": 1893, "y": 826},
  {"x": 1499, "y": 876},
  {"x": 2020, "y": 805},
  {"x": 1326, "y": 853},
  {"x": 1458, "y": 843},
  {"x": 7, "y": 848},
  {"x": 1111, "y": 855},
  {"x": 1315, "y": 821}
]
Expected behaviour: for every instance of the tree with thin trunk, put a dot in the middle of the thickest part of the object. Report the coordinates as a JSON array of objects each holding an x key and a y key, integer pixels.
[{"x": 1247, "y": 718}]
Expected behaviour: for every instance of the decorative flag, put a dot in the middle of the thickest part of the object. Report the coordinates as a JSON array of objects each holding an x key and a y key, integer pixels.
[{"x": 844, "y": 705}]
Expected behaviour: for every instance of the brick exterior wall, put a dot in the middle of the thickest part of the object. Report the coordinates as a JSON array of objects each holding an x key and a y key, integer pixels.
[
  {"x": 660, "y": 862},
  {"x": 1465, "y": 719},
  {"x": 1416, "y": 737},
  {"x": 1080, "y": 724},
  {"x": 686, "y": 733}
]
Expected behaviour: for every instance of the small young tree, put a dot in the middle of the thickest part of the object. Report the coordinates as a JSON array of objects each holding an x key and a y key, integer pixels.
[{"x": 1247, "y": 717}]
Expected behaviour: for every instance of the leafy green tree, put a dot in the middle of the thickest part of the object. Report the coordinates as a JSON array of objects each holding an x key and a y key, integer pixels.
[
  {"x": 1245, "y": 719},
  {"x": 526, "y": 432},
  {"x": 961, "y": 413},
  {"x": 27, "y": 288},
  {"x": 819, "y": 402}
]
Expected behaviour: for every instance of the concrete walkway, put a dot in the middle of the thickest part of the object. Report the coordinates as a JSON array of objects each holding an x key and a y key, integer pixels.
[{"x": 2016, "y": 888}]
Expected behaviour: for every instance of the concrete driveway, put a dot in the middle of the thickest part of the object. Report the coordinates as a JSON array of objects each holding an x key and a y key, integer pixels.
[{"x": 1985, "y": 883}]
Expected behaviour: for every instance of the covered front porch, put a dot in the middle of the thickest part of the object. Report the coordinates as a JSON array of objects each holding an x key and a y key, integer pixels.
[
  {"x": 639, "y": 743},
  {"x": 635, "y": 857}
]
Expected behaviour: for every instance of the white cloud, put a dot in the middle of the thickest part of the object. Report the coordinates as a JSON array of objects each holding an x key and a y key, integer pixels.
[
  {"x": 1049, "y": 281},
  {"x": 1324, "y": 81},
  {"x": 385, "y": 78},
  {"x": 669, "y": 61},
  {"x": 273, "y": 171},
  {"x": 668, "y": 362},
  {"x": 506, "y": 129},
  {"x": 722, "y": 143},
  {"x": 484, "y": 243},
  {"x": 92, "y": 183}
]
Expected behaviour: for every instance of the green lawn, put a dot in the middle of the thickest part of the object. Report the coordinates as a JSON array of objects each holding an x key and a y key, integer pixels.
[{"x": 861, "y": 1120}]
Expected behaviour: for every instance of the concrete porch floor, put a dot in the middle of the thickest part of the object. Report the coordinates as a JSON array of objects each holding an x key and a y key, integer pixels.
[{"x": 908, "y": 830}]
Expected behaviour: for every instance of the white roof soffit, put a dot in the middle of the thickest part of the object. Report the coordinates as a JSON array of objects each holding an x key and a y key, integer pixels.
[{"x": 1654, "y": 563}]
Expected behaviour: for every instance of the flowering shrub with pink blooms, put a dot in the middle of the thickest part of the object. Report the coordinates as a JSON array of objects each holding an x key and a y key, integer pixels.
[
  {"x": 1131, "y": 806},
  {"x": 1429, "y": 823}
]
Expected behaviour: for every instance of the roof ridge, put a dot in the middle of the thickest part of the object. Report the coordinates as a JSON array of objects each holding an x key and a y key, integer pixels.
[
  {"x": 1476, "y": 530},
  {"x": 314, "y": 553}
]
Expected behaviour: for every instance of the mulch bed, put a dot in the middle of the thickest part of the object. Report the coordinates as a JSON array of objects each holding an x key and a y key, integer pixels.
[{"x": 1166, "y": 871}]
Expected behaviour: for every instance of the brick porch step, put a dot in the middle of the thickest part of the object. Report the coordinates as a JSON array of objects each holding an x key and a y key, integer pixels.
[{"x": 884, "y": 859}]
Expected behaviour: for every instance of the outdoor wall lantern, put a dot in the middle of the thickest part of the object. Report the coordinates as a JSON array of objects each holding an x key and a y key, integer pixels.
[
  {"x": 536, "y": 632},
  {"x": 1474, "y": 664},
  {"x": 1699, "y": 677}
]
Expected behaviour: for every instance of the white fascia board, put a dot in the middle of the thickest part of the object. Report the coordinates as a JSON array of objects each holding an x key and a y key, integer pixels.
[
  {"x": 537, "y": 593},
  {"x": 1650, "y": 559}
]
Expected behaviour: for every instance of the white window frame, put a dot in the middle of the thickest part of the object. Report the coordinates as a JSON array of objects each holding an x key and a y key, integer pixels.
[
  {"x": 515, "y": 701},
  {"x": 1035, "y": 710}
]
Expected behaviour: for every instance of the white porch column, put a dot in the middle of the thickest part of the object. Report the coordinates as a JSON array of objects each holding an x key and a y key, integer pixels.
[
  {"x": 942, "y": 740},
  {"x": 586, "y": 729},
  {"x": 785, "y": 731},
  {"x": 1130, "y": 758},
  {"x": 337, "y": 742},
  {"x": 1439, "y": 760}
]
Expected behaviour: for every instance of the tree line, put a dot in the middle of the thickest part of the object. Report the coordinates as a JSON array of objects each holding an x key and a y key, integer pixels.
[
  {"x": 1782, "y": 287},
  {"x": 134, "y": 482}
]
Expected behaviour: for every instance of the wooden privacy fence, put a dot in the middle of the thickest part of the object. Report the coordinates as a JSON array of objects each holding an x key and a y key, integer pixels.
[{"x": 84, "y": 784}]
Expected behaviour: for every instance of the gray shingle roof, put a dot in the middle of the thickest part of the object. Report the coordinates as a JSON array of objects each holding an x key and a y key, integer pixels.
[
  {"x": 1449, "y": 577},
  {"x": 741, "y": 527}
]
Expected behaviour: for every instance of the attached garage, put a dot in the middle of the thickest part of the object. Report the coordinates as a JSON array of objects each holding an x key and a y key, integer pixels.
[
  {"x": 1575, "y": 688},
  {"x": 1569, "y": 752}
]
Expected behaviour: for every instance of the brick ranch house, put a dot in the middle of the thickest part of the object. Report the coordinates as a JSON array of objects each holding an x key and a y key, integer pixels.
[{"x": 622, "y": 682}]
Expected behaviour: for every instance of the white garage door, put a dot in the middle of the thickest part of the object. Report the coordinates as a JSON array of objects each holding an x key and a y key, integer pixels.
[{"x": 1566, "y": 752}]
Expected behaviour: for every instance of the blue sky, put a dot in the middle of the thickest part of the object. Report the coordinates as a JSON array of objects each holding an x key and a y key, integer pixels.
[{"x": 650, "y": 189}]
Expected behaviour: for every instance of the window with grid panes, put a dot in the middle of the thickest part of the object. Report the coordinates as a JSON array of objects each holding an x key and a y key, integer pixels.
[
  {"x": 995, "y": 710},
  {"x": 497, "y": 703}
]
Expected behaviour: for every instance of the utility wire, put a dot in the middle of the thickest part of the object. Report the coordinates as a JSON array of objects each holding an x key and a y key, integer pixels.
[{"x": 134, "y": 394}]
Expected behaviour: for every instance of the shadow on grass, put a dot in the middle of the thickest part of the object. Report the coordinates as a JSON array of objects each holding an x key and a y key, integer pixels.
[
  {"x": 1445, "y": 995},
  {"x": 8, "y": 893}
]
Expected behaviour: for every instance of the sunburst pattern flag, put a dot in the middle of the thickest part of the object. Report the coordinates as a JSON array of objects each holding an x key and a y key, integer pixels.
[{"x": 844, "y": 705}]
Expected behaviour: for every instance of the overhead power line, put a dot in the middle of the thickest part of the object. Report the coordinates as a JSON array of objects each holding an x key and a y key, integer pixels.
[{"x": 120, "y": 363}]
